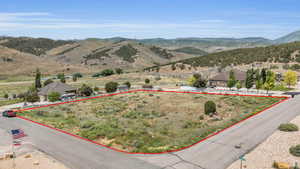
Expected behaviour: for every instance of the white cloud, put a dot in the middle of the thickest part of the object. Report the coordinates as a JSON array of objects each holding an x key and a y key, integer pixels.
[{"x": 37, "y": 22}]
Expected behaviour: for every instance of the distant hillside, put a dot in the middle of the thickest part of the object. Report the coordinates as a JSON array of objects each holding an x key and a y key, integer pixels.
[
  {"x": 35, "y": 46},
  {"x": 90, "y": 55},
  {"x": 292, "y": 37},
  {"x": 208, "y": 44},
  {"x": 13, "y": 62},
  {"x": 191, "y": 50},
  {"x": 125, "y": 54},
  {"x": 284, "y": 53}
]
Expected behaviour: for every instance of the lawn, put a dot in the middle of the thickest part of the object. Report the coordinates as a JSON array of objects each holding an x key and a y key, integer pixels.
[{"x": 148, "y": 122}]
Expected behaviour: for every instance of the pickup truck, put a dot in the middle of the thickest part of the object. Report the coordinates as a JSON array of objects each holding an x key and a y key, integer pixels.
[{"x": 9, "y": 113}]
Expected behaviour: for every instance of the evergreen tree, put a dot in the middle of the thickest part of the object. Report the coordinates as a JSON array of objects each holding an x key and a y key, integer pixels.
[
  {"x": 249, "y": 79},
  {"x": 38, "y": 83},
  {"x": 263, "y": 75},
  {"x": 231, "y": 82}
]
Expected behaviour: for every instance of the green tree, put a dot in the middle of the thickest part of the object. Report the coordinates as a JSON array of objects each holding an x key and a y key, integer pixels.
[
  {"x": 38, "y": 83},
  {"x": 119, "y": 71},
  {"x": 6, "y": 96},
  {"x": 258, "y": 85},
  {"x": 239, "y": 85},
  {"x": 85, "y": 90},
  {"x": 107, "y": 72},
  {"x": 74, "y": 78},
  {"x": 200, "y": 82},
  {"x": 111, "y": 87},
  {"x": 249, "y": 79},
  {"x": 128, "y": 84},
  {"x": 32, "y": 96},
  {"x": 270, "y": 81},
  {"x": 210, "y": 108},
  {"x": 290, "y": 78},
  {"x": 54, "y": 96},
  {"x": 147, "y": 81},
  {"x": 173, "y": 66},
  {"x": 61, "y": 77},
  {"x": 263, "y": 75},
  {"x": 96, "y": 89},
  {"x": 191, "y": 81},
  {"x": 48, "y": 81},
  {"x": 77, "y": 75},
  {"x": 231, "y": 82}
]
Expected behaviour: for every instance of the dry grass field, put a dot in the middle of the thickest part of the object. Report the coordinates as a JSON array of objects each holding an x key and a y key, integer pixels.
[{"x": 149, "y": 121}]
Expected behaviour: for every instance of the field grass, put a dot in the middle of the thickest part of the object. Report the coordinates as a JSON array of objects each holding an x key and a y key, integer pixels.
[
  {"x": 8, "y": 102},
  {"x": 147, "y": 122}
]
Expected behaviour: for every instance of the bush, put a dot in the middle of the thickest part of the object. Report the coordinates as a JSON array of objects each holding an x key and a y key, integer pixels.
[
  {"x": 128, "y": 84},
  {"x": 32, "y": 97},
  {"x": 5, "y": 96},
  {"x": 107, "y": 72},
  {"x": 119, "y": 71},
  {"x": 288, "y": 127},
  {"x": 147, "y": 81},
  {"x": 96, "y": 89},
  {"x": 85, "y": 90},
  {"x": 96, "y": 75},
  {"x": 111, "y": 87},
  {"x": 54, "y": 96},
  {"x": 210, "y": 108},
  {"x": 61, "y": 77},
  {"x": 48, "y": 81},
  {"x": 295, "y": 150},
  {"x": 147, "y": 86},
  {"x": 157, "y": 78},
  {"x": 77, "y": 75}
]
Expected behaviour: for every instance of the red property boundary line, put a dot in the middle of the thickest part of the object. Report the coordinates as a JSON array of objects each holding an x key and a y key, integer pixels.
[{"x": 134, "y": 91}]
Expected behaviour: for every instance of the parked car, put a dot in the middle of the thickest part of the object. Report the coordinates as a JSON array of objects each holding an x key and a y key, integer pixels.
[{"x": 9, "y": 113}]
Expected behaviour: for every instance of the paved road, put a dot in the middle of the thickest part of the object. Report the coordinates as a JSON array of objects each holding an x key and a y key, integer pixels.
[
  {"x": 217, "y": 152},
  {"x": 73, "y": 152}
]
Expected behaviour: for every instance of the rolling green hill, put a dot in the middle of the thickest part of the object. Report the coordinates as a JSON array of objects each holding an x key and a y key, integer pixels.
[
  {"x": 284, "y": 53},
  {"x": 191, "y": 50},
  {"x": 35, "y": 46}
]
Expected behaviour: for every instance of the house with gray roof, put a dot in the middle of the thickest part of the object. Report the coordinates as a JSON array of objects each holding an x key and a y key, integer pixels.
[
  {"x": 58, "y": 87},
  {"x": 221, "y": 79}
]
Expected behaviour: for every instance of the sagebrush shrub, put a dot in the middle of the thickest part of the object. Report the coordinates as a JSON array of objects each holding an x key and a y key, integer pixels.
[
  {"x": 288, "y": 127},
  {"x": 210, "y": 107}
]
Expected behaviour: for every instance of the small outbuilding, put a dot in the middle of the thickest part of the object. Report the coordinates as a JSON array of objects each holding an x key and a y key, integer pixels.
[
  {"x": 221, "y": 79},
  {"x": 58, "y": 87}
]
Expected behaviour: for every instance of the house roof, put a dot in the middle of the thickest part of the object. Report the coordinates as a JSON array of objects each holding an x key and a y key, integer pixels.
[
  {"x": 59, "y": 87},
  {"x": 224, "y": 76}
]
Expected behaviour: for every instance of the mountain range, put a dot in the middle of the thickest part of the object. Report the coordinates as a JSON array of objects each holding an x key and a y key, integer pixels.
[{"x": 22, "y": 55}]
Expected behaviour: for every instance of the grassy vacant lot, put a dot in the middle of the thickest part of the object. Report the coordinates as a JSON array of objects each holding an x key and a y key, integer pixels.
[{"x": 149, "y": 121}]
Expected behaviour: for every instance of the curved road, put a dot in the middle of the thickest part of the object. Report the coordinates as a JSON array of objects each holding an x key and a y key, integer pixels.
[{"x": 218, "y": 152}]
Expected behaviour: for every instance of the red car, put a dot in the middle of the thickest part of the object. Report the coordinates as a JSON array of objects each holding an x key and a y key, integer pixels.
[{"x": 9, "y": 113}]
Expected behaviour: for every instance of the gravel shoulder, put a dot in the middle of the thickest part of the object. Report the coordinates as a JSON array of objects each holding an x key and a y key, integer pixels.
[{"x": 275, "y": 148}]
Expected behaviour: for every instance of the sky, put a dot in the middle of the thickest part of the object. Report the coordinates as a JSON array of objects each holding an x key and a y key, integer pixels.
[{"x": 80, "y": 19}]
